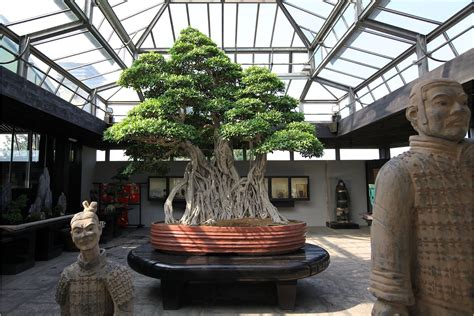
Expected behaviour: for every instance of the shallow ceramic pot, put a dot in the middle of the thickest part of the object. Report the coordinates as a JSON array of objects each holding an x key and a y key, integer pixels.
[{"x": 239, "y": 240}]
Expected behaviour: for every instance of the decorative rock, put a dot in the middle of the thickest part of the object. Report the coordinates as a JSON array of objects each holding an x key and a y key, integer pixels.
[
  {"x": 62, "y": 203},
  {"x": 44, "y": 198},
  {"x": 422, "y": 238}
]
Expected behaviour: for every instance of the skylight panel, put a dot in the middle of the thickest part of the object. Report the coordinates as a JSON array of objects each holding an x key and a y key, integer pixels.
[
  {"x": 179, "y": 16},
  {"x": 92, "y": 69},
  {"x": 66, "y": 90},
  {"x": 378, "y": 88},
  {"x": 82, "y": 58},
  {"x": 137, "y": 14},
  {"x": 280, "y": 63},
  {"x": 435, "y": 10},
  {"x": 338, "y": 93},
  {"x": 464, "y": 42},
  {"x": 296, "y": 88},
  {"x": 392, "y": 79},
  {"x": 412, "y": 24},
  {"x": 410, "y": 74},
  {"x": 80, "y": 97},
  {"x": 124, "y": 94},
  {"x": 230, "y": 11},
  {"x": 310, "y": 21},
  {"x": 464, "y": 33},
  {"x": 162, "y": 34},
  {"x": 216, "y": 23},
  {"x": 246, "y": 25},
  {"x": 320, "y": 7},
  {"x": 265, "y": 24},
  {"x": 297, "y": 42},
  {"x": 148, "y": 42},
  {"x": 73, "y": 43},
  {"x": 364, "y": 96},
  {"x": 26, "y": 16},
  {"x": 245, "y": 60},
  {"x": 102, "y": 78},
  {"x": 379, "y": 44},
  {"x": 352, "y": 67},
  {"x": 363, "y": 57},
  {"x": 318, "y": 92},
  {"x": 261, "y": 59},
  {"x": 198, "y": 17},
  {"x": 318, "y": 108},
  {"x": 299, "y": 60},
  {"x": 106, "y": 94},
  {"x": 283, "y": 32},
  {"x": 106, "y": 30},
  {"x": 336, "y": 76}
]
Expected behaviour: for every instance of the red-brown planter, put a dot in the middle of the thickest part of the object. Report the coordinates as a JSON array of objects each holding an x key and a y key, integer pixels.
[{"x": 240, "y": 240}]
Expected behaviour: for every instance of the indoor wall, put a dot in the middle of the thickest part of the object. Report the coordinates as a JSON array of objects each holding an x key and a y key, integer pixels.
[{"x": 323, "y": 177}]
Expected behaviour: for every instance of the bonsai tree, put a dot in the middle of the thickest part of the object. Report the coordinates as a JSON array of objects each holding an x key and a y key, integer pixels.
[{"x": 201, "y": 105}]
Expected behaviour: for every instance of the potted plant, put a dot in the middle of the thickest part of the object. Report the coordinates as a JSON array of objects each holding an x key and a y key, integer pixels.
[{"x": 201, "y": 105}]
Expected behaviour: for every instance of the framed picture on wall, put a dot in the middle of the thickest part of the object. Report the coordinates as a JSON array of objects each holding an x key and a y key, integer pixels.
[
  {"x": 279, "y": 188},
  {"x": 173, "y": 182},
  {"x": 157, "y": 188},
  {"x": 300, "y": 188}
]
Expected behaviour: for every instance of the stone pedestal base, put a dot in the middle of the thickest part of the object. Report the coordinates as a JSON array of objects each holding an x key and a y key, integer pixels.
[{"x": 338, "y": 225}]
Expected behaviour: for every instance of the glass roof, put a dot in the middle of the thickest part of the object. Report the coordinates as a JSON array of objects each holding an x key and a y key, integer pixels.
[{"x": 333, "y": 55}]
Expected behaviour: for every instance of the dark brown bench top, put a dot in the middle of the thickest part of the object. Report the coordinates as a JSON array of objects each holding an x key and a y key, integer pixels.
[{"x": 303, "y": 263}]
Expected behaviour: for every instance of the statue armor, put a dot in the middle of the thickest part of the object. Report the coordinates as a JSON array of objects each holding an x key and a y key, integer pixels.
[
  {"x": 96, "y": 288},
  {"x": 433, "y": 226}
]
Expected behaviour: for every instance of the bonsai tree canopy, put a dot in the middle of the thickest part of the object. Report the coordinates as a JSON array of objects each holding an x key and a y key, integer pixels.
[{"x": 199, "y": 104}]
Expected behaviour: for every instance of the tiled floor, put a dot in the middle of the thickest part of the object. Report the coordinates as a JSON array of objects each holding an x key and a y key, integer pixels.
[{"x": 339, "y": 290}]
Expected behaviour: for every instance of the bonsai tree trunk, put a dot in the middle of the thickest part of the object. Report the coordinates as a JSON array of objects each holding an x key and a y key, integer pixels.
[{"x": 214, "y": 190}]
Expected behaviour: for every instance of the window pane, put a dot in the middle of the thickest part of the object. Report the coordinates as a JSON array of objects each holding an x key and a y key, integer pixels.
[
  {"x": 280, "y": 188},
  {"x": 359, "y": 154},
  {"x": 279, "y": 155},
  {"x": 395, "y": 151},
  {"x": 100, "y": 155},
  {"x": 118, "y": 155},
  {"x": 299, "y": 188},
  {"x": 5, "y": 147}
]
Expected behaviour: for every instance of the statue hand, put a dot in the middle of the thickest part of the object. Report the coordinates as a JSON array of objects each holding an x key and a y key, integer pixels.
[{"x": 385, "y": 308}]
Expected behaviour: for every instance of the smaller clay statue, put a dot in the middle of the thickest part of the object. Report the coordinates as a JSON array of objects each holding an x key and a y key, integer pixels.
[
  {"x": 342, "y": 203},
  {"x": 92, "y": 285}
]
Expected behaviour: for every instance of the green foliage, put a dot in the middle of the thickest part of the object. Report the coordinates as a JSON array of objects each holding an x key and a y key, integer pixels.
[
  {"x": 35, "y": 216},
  {"x": 13, "y": 214},
  {"x": 198, "y": 94},
  {"x": 155, "y": 167}
]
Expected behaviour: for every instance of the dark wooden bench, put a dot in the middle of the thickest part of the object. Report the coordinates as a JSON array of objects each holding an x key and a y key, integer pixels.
[{"x": 176, "y": 270}]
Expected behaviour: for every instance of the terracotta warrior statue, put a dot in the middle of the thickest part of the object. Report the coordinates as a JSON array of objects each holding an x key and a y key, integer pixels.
[
  {"x": 92, "y": 285},
  {"x": 422, "y": 230}
]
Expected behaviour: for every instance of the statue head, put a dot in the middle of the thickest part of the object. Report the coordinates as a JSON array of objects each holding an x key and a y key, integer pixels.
[
  {"x": 438, "y": 108},
  {"x": 85, "y": 227}
]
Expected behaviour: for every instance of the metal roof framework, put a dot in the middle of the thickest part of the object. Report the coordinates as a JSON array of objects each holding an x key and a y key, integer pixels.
[{"x": 334, "y": 56}]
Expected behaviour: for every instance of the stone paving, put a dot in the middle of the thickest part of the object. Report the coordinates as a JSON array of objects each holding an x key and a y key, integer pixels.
[{"x": 339, "y": 290}]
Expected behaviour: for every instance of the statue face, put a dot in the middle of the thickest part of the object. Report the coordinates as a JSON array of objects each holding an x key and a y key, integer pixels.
[
  {"x": 447, "y": 112},
  {"x": 85, "y": 233}
]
